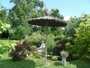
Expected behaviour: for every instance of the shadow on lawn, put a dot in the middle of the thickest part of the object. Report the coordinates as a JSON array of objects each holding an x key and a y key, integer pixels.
[
  {"x": 82, "y": 64},
  {"x": 76, "y": 64},
  {"x": 17, "y": 64}
]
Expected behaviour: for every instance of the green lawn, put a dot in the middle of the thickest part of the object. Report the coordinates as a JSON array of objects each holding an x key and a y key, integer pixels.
[
  {"x": 81, "y": 64},
  {"x": 32, "y": 62}
]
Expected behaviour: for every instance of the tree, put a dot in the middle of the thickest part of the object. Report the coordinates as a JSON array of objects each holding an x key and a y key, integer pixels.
[
  {"x": 4, "y": 24},
  {"x": 55, "y": 13},
  {"x": 82, "y": 37},
  {"x": 71, "y": 25},
  {"x": 21, "y": 12}
]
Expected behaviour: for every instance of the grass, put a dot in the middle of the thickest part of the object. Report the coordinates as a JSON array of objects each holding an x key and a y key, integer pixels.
[
  {"x": 81, "y": 64},
  {"x": 31, "y": 63},
  {"x": 20, "y": 64}
]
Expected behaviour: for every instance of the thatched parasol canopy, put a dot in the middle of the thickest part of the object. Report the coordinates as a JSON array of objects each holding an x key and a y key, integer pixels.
[{"x": 47, "y": 21}]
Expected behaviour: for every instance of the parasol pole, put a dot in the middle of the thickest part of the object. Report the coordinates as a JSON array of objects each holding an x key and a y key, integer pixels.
[{"x": 46, "y": 14}]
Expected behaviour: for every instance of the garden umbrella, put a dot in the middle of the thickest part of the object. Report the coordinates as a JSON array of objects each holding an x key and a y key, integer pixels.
[{"x": 47, "y": 21}]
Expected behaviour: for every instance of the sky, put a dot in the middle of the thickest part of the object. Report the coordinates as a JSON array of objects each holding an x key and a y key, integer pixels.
[
  {"x": 66, "y": 7},
  {"x": 6, "y": 4}
]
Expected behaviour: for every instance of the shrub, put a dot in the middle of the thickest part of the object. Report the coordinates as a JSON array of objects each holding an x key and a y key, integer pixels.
[
  {"x": 6, "y": 45},
  {"x": 21, "y": 51},
  {"x": 35, "y": 38},
  {"x": 50, "y": 42}
]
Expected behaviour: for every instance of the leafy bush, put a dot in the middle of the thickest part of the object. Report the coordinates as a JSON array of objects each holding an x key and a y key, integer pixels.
[
  {"x": 50, "y": 42},
  {"x": 35, "y": 38},
  {"x": 82, "y": 40},
  {"x": 20, "y": 51},
  {"x": 4, "y": 26},
  {"x": 19, "y": 32},
  {"x": 3, "y": 49},
  {"x": 6, "y": 45}
]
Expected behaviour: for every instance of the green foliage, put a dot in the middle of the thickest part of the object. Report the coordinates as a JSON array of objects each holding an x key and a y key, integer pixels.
[
  {"x": 70, "y": 30},
  {"x": 35, "y": 37},
  {"x": 55, "y": 13},
  {"x": 82, "y": 38},
  {"x": 6, "y": 45},
  {"x": 71, "y": 25},
  {"x": 4, "y": 29},
  {"x": 23, "y": 10},
  {"x": 4, "y": 22},
  {"x": 4, "y": 26},
  {"x": 3, "y": 14},
  {"x": 19, "y": 15},
  {"x": 20, "y": 32},
  {"x": 50, "y": 42},
  {"x": 3, "y": 49}
]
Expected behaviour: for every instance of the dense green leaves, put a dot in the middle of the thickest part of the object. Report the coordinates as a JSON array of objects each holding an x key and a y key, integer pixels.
[
  {"x": 4, "y": 26},
  {"x": 55, "y": 13},
  {"x": 83, "y": 36}
]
